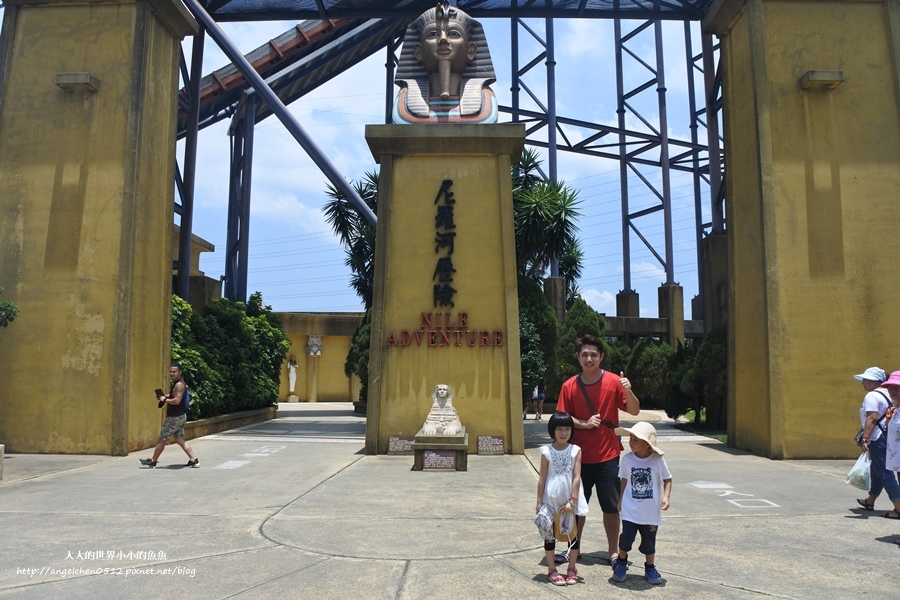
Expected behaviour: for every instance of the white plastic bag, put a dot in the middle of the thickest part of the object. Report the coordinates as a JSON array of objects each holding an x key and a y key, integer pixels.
[{"x": 859, "y": 474}]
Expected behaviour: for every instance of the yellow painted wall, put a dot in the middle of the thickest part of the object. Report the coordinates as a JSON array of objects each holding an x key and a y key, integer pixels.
[
  {"x": 811, "y": 192},
  {"x": 336, "y": 330},
  {"x": 486, "y": 380},
  {"x": 85, "y": 221}
]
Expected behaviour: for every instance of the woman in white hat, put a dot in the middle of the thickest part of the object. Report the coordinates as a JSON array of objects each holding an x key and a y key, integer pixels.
[{"x": 871, "y": 415}]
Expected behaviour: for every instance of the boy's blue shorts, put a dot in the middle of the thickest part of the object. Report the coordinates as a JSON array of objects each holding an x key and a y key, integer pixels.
[{"x": 648, "y": 537}]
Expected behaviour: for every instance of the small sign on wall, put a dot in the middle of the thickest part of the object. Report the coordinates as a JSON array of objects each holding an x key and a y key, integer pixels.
[
  {"x": 490, "y": 444},
  {"x": 400, "y": 444}
]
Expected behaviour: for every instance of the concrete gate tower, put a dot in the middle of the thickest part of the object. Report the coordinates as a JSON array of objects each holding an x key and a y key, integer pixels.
[
  {"x": 813, "y": 157},
  {"x": 88, "y": 94}
]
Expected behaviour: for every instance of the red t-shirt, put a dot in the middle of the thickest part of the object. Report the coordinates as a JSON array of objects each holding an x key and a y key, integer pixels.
[{"x": 608, "y": 397}]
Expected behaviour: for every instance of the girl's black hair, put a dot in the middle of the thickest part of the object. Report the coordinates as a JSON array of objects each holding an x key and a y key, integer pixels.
[{"x": 559, "y": 419}]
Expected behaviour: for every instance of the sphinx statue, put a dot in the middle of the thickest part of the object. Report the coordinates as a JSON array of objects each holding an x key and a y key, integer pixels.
[
  {"x": 445, "y": 70},
  {"x": 442, "y": 418}
]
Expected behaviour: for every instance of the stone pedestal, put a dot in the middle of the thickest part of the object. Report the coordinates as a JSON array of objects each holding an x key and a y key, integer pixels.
[
  {"x": 293, "y": 398},
  {"x": 458, "y": 444}
]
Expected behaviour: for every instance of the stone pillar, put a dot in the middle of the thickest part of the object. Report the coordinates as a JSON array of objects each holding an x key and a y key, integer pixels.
[
  {"x": 628, "y": 304},
  {"x": 813, "y": 159},
  {"x": 312, "y": 392},
  {"x": 88, "y": 101},
  {"x": 446, "y": 302},
  {"x": 555, "y": 292},
  {"x": 671, "y": 308},
  {"x": 714, "y": 249}
]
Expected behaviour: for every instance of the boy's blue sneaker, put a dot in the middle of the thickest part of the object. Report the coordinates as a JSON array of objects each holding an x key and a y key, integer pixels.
[
  {"x": 652, "y": 574},
  {"x": 619, "y": 568}
]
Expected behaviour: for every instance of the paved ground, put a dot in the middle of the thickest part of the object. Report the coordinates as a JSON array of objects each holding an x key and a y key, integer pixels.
[{"x": 294, "y": 509}]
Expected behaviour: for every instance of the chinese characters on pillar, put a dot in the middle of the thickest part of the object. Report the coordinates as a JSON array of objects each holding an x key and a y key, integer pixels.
[
  {"x": 441, "y": 328},
  {"x": 444, "y": 236}
]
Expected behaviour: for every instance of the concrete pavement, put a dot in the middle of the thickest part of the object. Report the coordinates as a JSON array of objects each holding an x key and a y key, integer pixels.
[{"x": 292, "y": 508}]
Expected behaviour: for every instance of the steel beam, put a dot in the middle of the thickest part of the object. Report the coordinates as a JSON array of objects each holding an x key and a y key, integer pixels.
[{"x": 279, "y": 109}]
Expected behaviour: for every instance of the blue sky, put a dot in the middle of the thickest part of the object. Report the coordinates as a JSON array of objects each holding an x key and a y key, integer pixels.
[{"x": 297, "y": 263}]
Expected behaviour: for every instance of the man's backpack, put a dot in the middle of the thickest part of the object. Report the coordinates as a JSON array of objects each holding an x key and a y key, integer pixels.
[{"x": 186, "y": 401}]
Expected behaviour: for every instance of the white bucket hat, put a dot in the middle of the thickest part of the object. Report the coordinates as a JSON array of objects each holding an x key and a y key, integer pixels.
[
  {"x": 642, "y": 431},
  {"x": 872, "y": 374}
]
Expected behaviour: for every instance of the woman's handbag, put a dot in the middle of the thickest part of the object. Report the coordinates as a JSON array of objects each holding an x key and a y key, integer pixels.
[{"x": 859, "y": 474}]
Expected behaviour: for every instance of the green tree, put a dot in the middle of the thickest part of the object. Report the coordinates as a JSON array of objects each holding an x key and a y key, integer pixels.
[
  {"x": 545, "y": 227},
  {"x": 533, "y": 365},
  {"x": 648, "y": 370},
  {"x": 8, "y": 311},
  {"x": 708, "y": 378},
  {"x": 356, "y": 233},
  {"x": 581, "y": 320},
  {"x": 534, "y": 306},
  {"x": 206, "y": 385},
  {"x": 618, "y": 352},
  {"x": 245, "y": 346},
  {"x": 357, "y": 362},
  {"x": 678, "y": 401}
]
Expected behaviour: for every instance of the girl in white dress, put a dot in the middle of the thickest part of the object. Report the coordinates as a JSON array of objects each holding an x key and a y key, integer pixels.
[{"x": 559, "y": 487}]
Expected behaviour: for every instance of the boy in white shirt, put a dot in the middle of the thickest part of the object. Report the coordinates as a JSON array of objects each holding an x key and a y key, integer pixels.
[{"x": 645, "y": 488}]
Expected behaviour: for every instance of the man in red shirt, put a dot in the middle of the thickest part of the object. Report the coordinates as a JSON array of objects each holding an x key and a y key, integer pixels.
[{"x": 594, "y": 399}]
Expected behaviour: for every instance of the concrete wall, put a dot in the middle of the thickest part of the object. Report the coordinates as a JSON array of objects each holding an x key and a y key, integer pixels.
[
  {"x": 811, "y": 208},
  {"x": 86, "y": 201},
  {"x": 320, "y": 378}
]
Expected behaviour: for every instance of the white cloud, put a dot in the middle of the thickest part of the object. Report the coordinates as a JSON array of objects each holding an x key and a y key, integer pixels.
[{"x": 601, "y": 301}]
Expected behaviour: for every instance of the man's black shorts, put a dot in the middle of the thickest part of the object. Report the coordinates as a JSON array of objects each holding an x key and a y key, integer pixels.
[{"x": 605, "y": 477}]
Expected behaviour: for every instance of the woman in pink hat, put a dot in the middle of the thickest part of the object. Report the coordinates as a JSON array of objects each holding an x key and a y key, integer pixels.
[{"x": 892, "y": 457}]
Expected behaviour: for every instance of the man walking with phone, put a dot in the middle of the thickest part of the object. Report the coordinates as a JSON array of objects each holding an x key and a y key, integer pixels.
[{"x": 176, "y": 417}]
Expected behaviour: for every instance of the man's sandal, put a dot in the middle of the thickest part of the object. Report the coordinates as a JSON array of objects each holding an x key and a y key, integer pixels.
[
  {"x": 865, "y": 504},
  {"x": 892, "y": 514},
  {"x": 571, "y": 576},
  {"x": 556, "y": 578}
]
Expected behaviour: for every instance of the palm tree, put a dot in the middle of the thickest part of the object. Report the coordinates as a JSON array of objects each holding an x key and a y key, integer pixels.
[
  {"x": 356, "y": 233},
  {"x": 545, "y": 215}
]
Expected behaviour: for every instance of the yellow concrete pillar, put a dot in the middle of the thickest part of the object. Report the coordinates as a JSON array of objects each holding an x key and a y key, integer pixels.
[
  {"x": 446, "y": 303},
  {"x": 714, "y": 249},
  {"x": 813, "y": 160},
  {"x": 671, "y": 308},
  {"x": 313, "y": 390},
  {"x": 628, "y": 304},
  {"x": 87, "y": 135}
]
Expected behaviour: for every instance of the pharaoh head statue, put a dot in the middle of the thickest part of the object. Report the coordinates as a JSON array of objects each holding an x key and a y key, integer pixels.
[{"x": 444, "y": 57}]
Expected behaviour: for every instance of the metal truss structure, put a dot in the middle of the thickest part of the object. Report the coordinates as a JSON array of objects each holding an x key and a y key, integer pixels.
[{"x": 340, "y": 34}]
